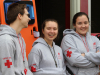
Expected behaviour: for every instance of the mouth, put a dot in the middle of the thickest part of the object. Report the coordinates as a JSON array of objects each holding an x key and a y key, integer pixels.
[
  {"x": 83, "y": 29},
  {"x": 51, "y": 35}
]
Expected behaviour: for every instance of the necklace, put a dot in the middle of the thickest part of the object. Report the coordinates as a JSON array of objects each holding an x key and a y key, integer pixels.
[
  {"x": 22, "y": 51},
  {"x": 22, "y": 48},
  {"x": 52, "y": 54}
]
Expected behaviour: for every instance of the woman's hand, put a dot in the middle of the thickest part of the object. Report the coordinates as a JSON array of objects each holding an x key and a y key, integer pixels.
[
  {"x": 83, "y": 54},
  {"x": 97, "y": 51}
]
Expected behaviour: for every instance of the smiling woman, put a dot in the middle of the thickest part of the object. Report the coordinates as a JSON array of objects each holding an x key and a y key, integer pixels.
[
  {"x": 46, "y": 58},
  {"x": 81, "y": 23},
  {"x": 79, "y": 47},
  {"x": 49, "y": 31}
]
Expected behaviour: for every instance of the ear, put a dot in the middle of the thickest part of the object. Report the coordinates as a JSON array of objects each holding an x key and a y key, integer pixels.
[
  {"x": 74, "y": 25},
  {"x": 42, "y": 31},
  {"x": 19, "y": 16}
]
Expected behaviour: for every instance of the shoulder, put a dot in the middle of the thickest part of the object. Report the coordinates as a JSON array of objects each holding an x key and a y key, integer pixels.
[
  {"x": 95, "y": 39},
  {"x": 7, "y": 42},
  {"x": 91, "y": 36},
  {"x": 69, "y": 37},
  {"x": 6, "y": 38},
  {"x": 37, "y": 48}
]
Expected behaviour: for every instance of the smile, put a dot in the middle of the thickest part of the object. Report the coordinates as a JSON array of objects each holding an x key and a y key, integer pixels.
[{"x": 51, "y": 35}]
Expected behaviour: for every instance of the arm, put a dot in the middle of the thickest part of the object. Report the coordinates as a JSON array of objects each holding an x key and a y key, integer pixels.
[
  {"x": 64, "y": 66},
  {"x": 33, "y": 60},
  {"x": 63, "y": 63},
  {"x": 72, "y": 55},
  {"x": 7, "y": 57},
  {"x": 92, "y": 56}
]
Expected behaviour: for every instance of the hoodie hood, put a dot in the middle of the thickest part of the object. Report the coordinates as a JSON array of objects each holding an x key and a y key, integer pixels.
[
  {"x": 68, "y": 31},
  {"x": 72, "y": 32},
  {"x": 42, "y": 41},
  {"x": 5, "y": 29}
]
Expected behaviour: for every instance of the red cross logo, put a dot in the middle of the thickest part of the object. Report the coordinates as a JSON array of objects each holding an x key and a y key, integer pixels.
[
  {"x": 69, "y": 53},
  {"x": 33, "y": 69},
  {"x": 94, "y": 43},
  {"x": 58, "y": 53},
  {"x": 8, "y": 63}
]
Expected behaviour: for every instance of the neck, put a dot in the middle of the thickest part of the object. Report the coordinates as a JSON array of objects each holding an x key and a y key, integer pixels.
[
  {"x": 16, "y": 27},
  {"x": 81, "y": 34},
  {"x": 49, "y": 42}
]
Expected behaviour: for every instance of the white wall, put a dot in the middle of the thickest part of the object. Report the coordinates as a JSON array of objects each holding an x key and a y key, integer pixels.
[
  {"x": 74, "y": 8},
  {"x": 89, "y": 13}
]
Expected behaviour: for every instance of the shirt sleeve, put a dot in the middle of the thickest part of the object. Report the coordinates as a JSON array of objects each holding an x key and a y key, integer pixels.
[
  {"x": 92, "y": 56},
  {"x": 64, "y": 66},
  {"x": 7, "y": 57},
  {"x": 63, "y": 63},
  {"x": 72, "y": 54},
  {"x": 96, "y": 42},
  {"x": 34, "y": 59}
]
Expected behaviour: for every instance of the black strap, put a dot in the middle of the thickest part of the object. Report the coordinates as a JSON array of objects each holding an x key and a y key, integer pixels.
[
  {"x": 52, "y": 54},
  {"x": 69, "y": 71}
]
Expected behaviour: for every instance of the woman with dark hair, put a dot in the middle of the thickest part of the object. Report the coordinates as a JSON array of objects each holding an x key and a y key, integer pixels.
[
  {"x": 80, "y": 47},
  {"x": 46, "y": 58}
]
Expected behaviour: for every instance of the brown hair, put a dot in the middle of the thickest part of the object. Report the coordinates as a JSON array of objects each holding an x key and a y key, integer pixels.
[
  {"x": 13, "y": 10},
  {"x": 77, "y": 15}
]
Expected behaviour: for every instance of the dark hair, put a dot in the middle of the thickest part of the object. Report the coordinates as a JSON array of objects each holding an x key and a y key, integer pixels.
[
  {"x": 13, "y": 10},
  {"x": 44, "y": 24},
  {"x": 77, "y": 15}
]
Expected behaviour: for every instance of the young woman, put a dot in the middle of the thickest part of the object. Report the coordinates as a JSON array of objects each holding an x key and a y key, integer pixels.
[
  {"x": 80, "y": 47},
  {"x": 46, "y": 58}
]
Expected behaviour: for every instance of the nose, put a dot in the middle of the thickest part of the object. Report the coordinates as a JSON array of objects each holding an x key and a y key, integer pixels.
[
  {"x": 83, "y": 25},
  {"x": 29, "y": 19},
  {"x": 52, "y": 30}
]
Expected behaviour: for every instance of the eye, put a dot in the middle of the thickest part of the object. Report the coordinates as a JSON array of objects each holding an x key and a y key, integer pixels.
[
  {"x": 28, "y": 15},
  {"x": 48, "y": 28},
  {"x": 86, "y": 22},
  {"x": 79, "y": 23},
  {"x": 55, "y": 28}
]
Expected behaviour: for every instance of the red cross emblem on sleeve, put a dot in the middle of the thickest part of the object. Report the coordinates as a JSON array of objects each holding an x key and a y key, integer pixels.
[
  {"x": 33, "y": 69},
  {"x": 8, "y": 63},
  {"x": 69, "y": 53}
]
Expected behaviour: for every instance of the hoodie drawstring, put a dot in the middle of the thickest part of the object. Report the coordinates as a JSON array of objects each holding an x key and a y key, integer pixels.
[
  {"x": 22, "y": 51},
  {"x": 86, "y": 46},
  {"x": 22, "y": 48}
]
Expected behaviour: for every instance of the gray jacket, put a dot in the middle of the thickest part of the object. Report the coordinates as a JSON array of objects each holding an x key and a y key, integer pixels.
[
  {"x": 73, "y": 45},
  {"x": 12, "y": 53},
  {"x": 41, "y": 61}
]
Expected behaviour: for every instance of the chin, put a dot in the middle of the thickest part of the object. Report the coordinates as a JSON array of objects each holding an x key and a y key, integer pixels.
[
  {"x": 83, "y": 34},
  {"x": 51, "y": 39},
  {"x": 26, "y": 26}
]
